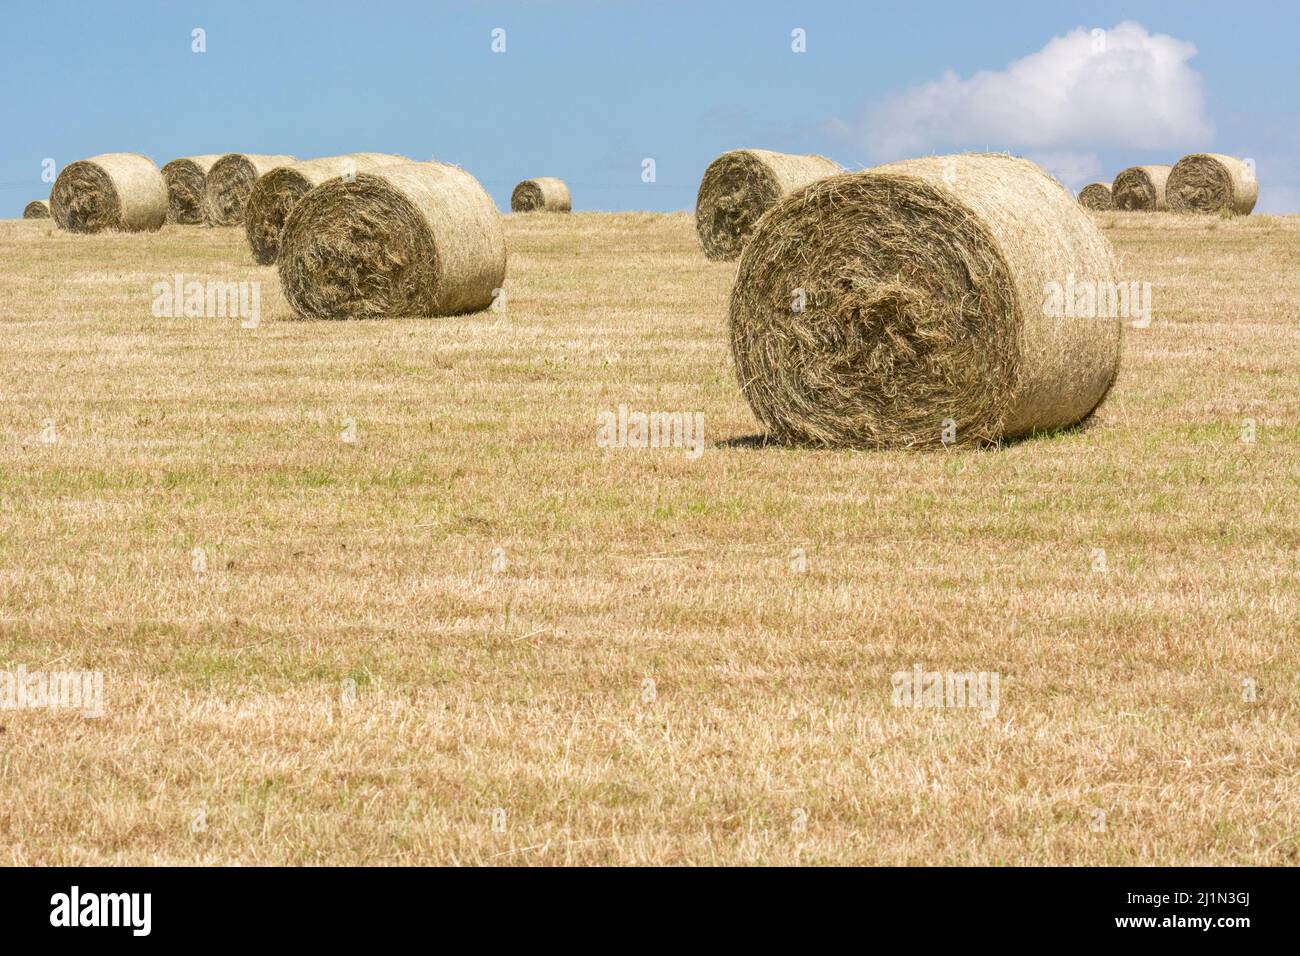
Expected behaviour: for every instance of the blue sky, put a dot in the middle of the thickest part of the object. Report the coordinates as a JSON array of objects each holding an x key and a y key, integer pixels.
[{"x": 586, "y": 91}]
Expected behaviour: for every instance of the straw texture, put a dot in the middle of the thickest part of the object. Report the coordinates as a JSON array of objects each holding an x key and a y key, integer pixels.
[
  {"x": 897, "y": 306},
  {"x": 1212, "y": 183},
  {"x": 186, "y": 178},
  {"x": 120, "y": 191},
  {"x": 544, "y": 194},
  {"x": 1096, "y": 196},
  {"x": 1141, "y": 189},
  {"x": 278, "y": 191},
  {"x": 230, "y": 182},
  {"x": 739, "y": 186},
  {"x": 419, "y": 239}
]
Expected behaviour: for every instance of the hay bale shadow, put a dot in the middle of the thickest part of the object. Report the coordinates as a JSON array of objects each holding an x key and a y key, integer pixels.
[{"x": 765, "y": 440}]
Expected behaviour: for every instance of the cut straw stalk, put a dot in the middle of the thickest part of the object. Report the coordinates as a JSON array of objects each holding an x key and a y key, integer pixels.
[
  {"x": 421, "y": 239},
  {"x": 544, "y": 194},
  {"x": 120, "y": 191},
  {"x": 1212, "y": 183},
  {"x": 278, "y": 191},
  {"x": 739, "y": 186},
  {"x": 905, "y": 306},
  {"x": 230, "y": 182}
]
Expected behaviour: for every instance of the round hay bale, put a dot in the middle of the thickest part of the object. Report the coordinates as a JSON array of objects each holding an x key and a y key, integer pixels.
[
  {"x": 1212, "y": 182},
  {"x": 37, "y": 209},
  {"x": 906, "y": 306},
  {"x": 1141, "y": 189},
  {"x": 739, "y": 186},
  {"x": 229, "y": 183},
  {"x": 276, "y": 193},
  {"x": 1096, "y": 196},
  {"x": 420, "y": 239},
  {"x": 543, "y": 194},
  {"x": 121, "y": 191},
  {"x": 186, "y": 178}
]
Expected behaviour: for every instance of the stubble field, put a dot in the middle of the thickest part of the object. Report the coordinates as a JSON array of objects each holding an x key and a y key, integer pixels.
[{"x": 471, "y": 635}]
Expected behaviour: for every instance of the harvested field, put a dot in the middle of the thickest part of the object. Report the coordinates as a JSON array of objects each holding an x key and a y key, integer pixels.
[{"x": 473, "y": 613}]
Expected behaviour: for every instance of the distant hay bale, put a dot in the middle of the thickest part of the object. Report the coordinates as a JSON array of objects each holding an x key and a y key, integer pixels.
[
  {"x": 420, "y": 239},
  {"x": 739, "y": 186},
  {"x": 1096, "y": 196},
  {"x": 908, "y": 306},
  {"x": 543, "y": 194},
  {"x": 278, "y": 191},
  {"x": 1141, "y": 189},
  {"x": 230, "y": 182},
  {"x": 186, "y": 178},
  {"x": 121, "y": 191},
  {"x": 37, "y": 209},
  {"x": 1213, "y": 183}
]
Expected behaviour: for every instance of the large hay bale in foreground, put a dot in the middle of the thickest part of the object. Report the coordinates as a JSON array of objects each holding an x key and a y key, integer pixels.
[
  {"x": 418, "y": 239},
  {"x": 276, "y": 193},
  {"x": 739, "y": 186},
  {"x": 1096, "y": 196},
  {"x": 230, "y": 182},
  {"x": 122, "y": 191},
  {"x": 1214, "y": 183},
  {"x": 37, "y": 209},
  {"x": 186, "y": 178},
  {"x": 543, "y": 194},
  {"x": 1141, "y": 189},
  {"x": 907, "y": 306}
]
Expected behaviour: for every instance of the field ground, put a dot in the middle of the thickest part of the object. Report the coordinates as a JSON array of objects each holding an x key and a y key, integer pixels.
[{"x": 640, "y": 674}]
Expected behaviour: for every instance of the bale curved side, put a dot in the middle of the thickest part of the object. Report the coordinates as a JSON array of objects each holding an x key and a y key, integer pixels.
[
  {"x": 741, "y": 185},
  {"x": 417, "y": 239},
  {"x": 1141, "y": 188},
  {"x": 1212, "y": 183},
  {"x": 186, "y": 178},
  {"x": 37, "y": 209},
  {"x": 908, "y": 306},
  {"x": 121, "y": 191},
  {"x": 229, "y": 183},
  {"x": 276, "y": 193},
  {"x": 543, "y": 194},
  {"x": 1096, "y": 196}
]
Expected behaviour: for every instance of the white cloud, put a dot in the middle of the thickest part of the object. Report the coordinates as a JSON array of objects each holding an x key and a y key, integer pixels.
[{"x": 1122, "y": 88}]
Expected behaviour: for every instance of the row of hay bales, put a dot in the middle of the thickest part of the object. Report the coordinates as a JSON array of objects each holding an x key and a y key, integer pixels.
[
  {"x": 1199, "y": 183},
  {"x": 127, "y": 192},
  {"x": 364, "y": 234},
  {"x": 358, "y": 235}
]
